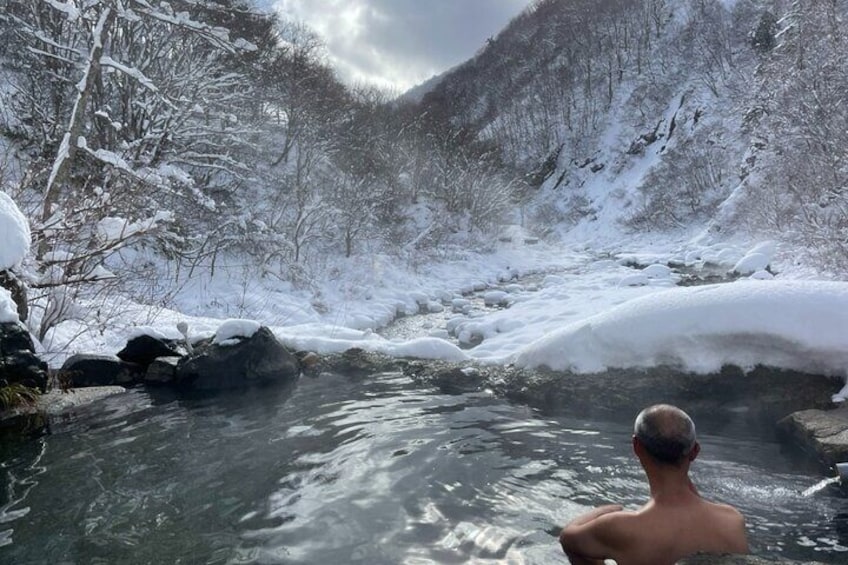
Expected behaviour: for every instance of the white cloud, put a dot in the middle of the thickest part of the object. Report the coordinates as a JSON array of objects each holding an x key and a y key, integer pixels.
[{"x": 400, "y": 43}]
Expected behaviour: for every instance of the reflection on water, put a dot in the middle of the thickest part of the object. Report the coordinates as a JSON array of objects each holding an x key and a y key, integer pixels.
[{"x": 371, "y": 471}]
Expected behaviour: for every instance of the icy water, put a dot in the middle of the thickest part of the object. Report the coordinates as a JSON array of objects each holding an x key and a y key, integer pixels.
[{"x": 374, "y": 470}]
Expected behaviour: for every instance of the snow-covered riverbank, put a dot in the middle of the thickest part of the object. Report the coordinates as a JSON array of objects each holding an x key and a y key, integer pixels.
[{"x": 584, "y": 312}]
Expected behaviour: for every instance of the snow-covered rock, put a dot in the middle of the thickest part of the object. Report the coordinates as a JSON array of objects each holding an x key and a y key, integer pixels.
[
  {"x": 425, "y": 348},
  {"x": 767, "y": 248},
  {"x": 727, "y": 256},
  {"x": 460, "y": 305},
  {"x": 495, "y": 298},
  {"x": 636, "y": 279},
  {"x": 693, "y": 257},
  {"x": 14, "y": 233},
  {"x": 657, "y": 271},
  {"x": 762, "y": 276},
  {"x": 751, "y": 263},
  {"x": 258, "y": 359},
  {"x": 420, "y": 298},
  {"x": 231, "y": 329},
  {"x": 434, "y": 307},
  {"x": 794, "y": 325}
]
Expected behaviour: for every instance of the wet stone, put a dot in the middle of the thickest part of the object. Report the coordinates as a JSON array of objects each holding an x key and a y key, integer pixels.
[
  {"x": 824, "y": 433},
  {"x": 162, "y": 370}
]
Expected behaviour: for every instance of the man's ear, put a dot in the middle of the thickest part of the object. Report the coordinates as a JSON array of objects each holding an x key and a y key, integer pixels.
[
  {"x": 637, "y": 447},
  {"x": 696, "y": 449}
]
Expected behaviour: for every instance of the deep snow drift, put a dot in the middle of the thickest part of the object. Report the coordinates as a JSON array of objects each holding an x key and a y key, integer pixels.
[{"x": 799, "y": 325}]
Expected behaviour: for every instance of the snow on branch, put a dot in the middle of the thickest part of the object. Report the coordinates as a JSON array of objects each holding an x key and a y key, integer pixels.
[
  {"x": 112, "y": 229},
  {"x": 107, "y": 61},
  {"x": 40, "y": 35},
  {"x": 70, "y": 11},
  {"x": 35, "y": 51},
  {"x": 216, "y": 35}
]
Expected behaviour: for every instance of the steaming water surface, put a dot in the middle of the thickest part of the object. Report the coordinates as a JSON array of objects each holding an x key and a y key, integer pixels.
[{"x": 375, "y": 470}]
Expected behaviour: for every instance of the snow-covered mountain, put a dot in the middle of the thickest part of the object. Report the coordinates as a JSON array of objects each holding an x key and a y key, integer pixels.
[{"x": 653, "y": 115}]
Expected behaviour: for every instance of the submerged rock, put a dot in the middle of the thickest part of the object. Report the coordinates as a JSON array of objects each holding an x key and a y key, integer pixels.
[
  {"x": 360, "y": 363},
  {"x": 18, "y": 362},
  {"x": 84, "y": 370},
  {"x": 821, "y": 432},
  {"x": 255, "y": 360}
]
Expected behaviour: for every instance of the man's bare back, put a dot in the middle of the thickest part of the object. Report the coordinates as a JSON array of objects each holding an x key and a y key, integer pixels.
[
  {"x": 664, "y": 534},
  {"x": 675, "y": 523}
]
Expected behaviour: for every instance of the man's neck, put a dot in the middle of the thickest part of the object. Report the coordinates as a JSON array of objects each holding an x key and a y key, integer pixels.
[{"x": 670, "y": 485}]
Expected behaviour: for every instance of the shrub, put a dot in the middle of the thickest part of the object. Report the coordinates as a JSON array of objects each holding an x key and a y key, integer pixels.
[{"x": 17, "y": 396}]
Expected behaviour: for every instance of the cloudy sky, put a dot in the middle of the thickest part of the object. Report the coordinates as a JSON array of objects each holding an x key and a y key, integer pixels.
[{"x": 399, "y": 43}]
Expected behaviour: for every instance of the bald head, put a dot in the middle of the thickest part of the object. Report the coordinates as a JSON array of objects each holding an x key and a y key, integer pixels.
[{"x": 666, "y": 432}]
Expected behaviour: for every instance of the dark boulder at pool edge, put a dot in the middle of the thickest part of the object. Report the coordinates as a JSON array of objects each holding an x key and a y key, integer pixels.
[
  {"x": 84, "y": 370},
  {"x": 257, "y": 360},
  {"x": 18, "y": 362},
  {"x": 144, "y": 349}
]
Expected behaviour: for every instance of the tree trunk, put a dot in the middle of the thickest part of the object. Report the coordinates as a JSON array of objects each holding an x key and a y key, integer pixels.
[{"x": 68, "y": 147}]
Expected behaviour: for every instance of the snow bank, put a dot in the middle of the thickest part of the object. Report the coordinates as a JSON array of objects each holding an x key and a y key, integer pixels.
[
  {"x": 325, "y": 340},
  {"x": 163, "y": 334},
  {"x": 424, "y": 348},
  {"x": 14, "y": 233},
  {"x": 8, "y": 310},
  {"x": 797, "y": 325}
]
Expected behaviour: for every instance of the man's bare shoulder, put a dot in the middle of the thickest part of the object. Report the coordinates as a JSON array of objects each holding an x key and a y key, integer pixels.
[
  {"x": 729, "y": 526},
  {"x": 726, "y": 512},
  {"x": 620, "y": 527}
]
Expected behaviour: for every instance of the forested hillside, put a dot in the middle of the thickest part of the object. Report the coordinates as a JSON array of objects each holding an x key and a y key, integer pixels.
[
  {"x": 145, "y": 141},
  {"x": 661, "y": 115}
]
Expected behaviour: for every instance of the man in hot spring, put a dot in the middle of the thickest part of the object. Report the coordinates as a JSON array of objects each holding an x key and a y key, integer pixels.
[{"x": 676, "y": 522}]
